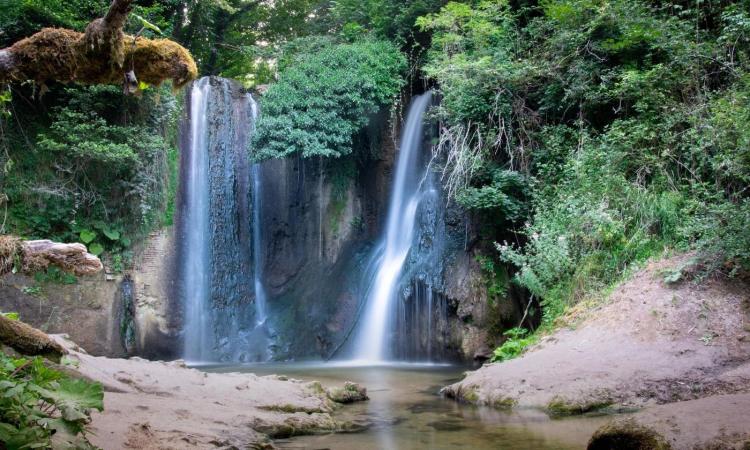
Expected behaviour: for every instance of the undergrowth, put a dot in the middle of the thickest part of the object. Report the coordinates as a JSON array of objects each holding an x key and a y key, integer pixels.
[{"x": 41, "y": 407}]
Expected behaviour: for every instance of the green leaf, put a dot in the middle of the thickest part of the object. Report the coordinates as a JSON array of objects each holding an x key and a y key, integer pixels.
[
  {"x": 87, "y": 236},
  {"x": 96, "y": 249},
  {"x": 146, "y": 24},
  {"x": 13, "y": 438},
  {"x": 65, "y": 433},
  {"x": 10, "y": 315},
  {"x": 111, "y": 234},
  {"x": 74, "y": 398}
]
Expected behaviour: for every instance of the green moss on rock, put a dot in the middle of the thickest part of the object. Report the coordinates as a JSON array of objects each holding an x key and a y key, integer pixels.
[
  {"x": 503, "y": 403},
  {"x": 627, "y": 434},
  {"x": 350, "y": 393},
  {"x": 560, "y": 406}
]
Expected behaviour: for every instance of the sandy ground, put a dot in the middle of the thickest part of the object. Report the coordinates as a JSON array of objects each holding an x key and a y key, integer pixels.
[
  {"x": 158, "y": 405},
  {"x": 649, "y": 344}
]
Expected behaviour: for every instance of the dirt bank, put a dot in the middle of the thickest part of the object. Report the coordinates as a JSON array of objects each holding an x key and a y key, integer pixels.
[
  {"x": 649, "y": 344},
  {"x": 719, "y": 422},
  {"x": 158, "y": 405}
]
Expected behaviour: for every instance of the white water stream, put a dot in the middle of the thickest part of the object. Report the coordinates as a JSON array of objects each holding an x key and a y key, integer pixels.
[
  {"x": 377, "y": 320},
  {"x": 198, "y": 339}
]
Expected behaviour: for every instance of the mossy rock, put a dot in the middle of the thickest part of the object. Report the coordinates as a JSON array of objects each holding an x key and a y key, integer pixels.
[
  {"x": 350, "y": 393},
  {"x": 561, "y": 407},
  {"x": 627, "y": 435},
  {"x": 469, "y": 394},
  {"x": 290, "y": 409},
  {"x": 504, "y": 403}
]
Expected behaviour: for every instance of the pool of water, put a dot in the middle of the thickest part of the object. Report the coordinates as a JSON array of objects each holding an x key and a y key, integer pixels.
[{"x": 405, "y": 411}]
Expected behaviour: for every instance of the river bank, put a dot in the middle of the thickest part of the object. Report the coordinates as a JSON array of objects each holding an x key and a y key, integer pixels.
[
  {"x": 648, "y": 344},
  {"x": 166, "y": 405}
]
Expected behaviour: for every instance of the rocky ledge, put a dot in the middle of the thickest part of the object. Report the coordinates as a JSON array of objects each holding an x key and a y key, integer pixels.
[{"x": 165, "y": 405}]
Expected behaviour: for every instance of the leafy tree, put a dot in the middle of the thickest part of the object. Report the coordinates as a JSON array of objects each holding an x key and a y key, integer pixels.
[
  {"x": 387, "y": 19},
  {"x": 325, "y": 95}
]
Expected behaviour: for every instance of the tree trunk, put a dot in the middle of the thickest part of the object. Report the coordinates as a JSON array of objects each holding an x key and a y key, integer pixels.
[{"x": 29, "y": 341}]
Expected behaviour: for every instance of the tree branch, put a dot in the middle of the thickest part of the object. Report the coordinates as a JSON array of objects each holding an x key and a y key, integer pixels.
[
  {"x": 29, "y": 341},
  {"x": 101, "y": 55}
]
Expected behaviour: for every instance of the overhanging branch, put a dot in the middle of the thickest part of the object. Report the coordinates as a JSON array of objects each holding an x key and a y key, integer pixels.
[{"x": 101, "y": 55}]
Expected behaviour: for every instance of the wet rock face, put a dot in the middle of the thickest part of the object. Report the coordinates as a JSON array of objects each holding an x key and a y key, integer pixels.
[
  {"x": 317, "y": 231},
  {"x": 228, "y": 258}
]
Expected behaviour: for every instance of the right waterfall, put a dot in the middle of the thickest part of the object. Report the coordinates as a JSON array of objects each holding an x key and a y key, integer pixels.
[{"x": 387, "y": 325}]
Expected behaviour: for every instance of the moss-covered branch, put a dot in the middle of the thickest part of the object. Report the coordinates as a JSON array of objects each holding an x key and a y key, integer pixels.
[
  {"x": 27, "y": 340},
  {"x": 103, "y": 54}
]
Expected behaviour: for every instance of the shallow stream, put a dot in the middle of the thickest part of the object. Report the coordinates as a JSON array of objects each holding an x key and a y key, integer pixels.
[{"x": 406, "y": 412}]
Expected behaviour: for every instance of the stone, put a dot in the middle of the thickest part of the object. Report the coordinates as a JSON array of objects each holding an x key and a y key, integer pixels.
[{"x": 350, "y": 393}]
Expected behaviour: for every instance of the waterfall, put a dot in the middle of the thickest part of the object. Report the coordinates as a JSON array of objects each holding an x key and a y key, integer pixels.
[
  {"x": 198, "y": 339},
  {"x": 257, "y": 175},
  {"x": 381, "y": 313},
  {"x": 219, "y": 228}
]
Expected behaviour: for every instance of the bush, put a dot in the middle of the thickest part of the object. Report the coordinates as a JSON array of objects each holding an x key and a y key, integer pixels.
[
  {"x": 324, "y": 96},
  {"x": 626, "y": 119},
  {"x": 516, "y": 343},
  {"x": 94, "y": 171}
]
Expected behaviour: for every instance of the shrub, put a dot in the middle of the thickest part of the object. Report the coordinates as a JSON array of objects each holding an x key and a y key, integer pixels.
[
  {"x": 516, "y": 343},
  {"x": 324, "y": 96}
]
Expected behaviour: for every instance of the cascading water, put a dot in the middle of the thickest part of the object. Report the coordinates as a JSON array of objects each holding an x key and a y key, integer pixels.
[
  {"x": 219, "y": 225},
  {"x": 198, "y": 339},
  {"x": 256, "y": 173},
  {"x": 382, "y": 314}
]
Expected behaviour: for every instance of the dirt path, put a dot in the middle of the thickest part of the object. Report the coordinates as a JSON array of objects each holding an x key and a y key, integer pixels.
[
  {"x": 157, "y": 405},
  {"x": 649, "y": 344}
]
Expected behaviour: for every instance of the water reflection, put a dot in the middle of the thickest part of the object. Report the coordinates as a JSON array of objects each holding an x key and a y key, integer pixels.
[{"x": 406, "y": 412}]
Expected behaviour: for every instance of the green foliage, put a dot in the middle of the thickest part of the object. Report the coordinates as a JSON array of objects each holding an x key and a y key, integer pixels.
[
  {"x": 241, "y": 39},
  {"x": 93, "y": 170},
  {"x": 21, "y": 18},
  {"x": 627, "y": 120},
  {"x": 516, "y": 343},
  {"x": 326, "y": 95},
  {"x": 55, "y": 275},
  {"x": 9, "y": 315},
  {"x": 43, "y": 408},
  {"x": 496, "y": 279},
  {"x": 390, "y": 19},
  {"x": 500, "y": 192}
]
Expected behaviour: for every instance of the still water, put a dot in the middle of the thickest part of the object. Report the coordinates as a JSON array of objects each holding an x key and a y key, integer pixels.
[{"x": 405, "y": 411}]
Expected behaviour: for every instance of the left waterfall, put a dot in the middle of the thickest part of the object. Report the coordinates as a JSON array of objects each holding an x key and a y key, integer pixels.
[{"x": 218, "y": 228}]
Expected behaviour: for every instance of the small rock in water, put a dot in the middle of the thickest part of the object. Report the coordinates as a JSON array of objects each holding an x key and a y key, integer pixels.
[{"x": 350, "y": 393}]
